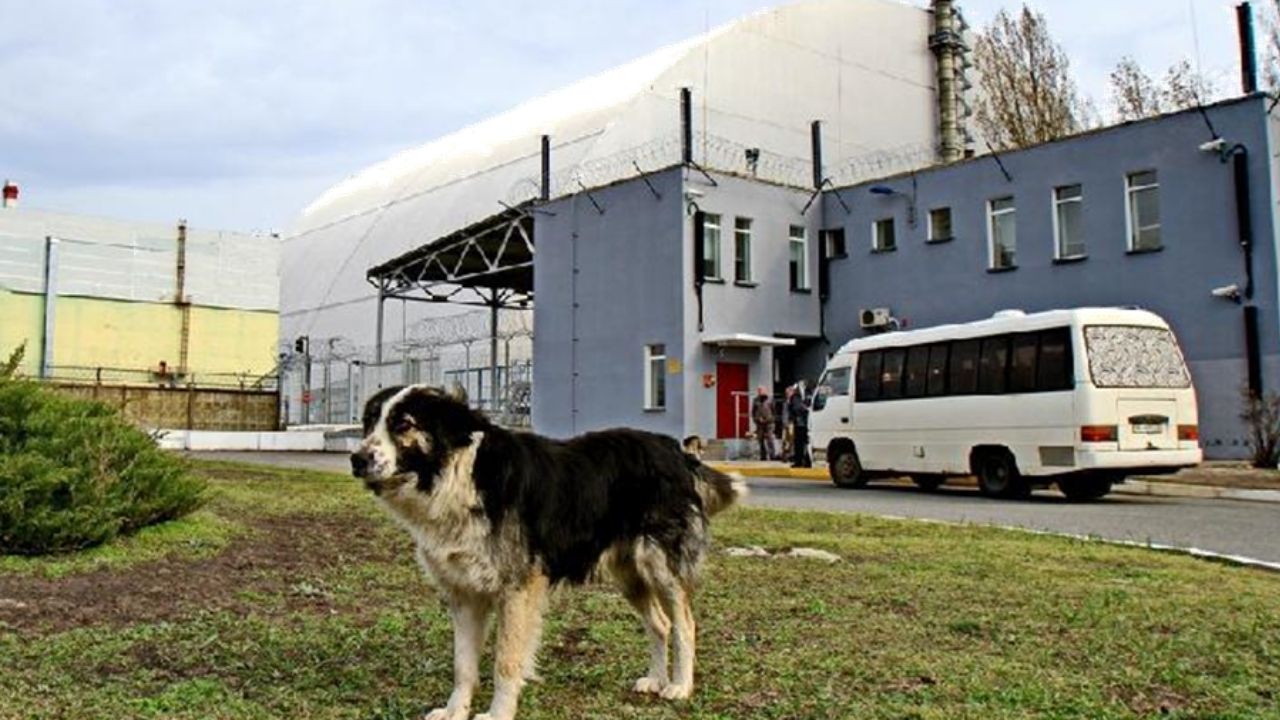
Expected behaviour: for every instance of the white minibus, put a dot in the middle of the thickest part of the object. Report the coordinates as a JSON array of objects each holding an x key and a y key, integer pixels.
[{"x": 1081, "y": 398}]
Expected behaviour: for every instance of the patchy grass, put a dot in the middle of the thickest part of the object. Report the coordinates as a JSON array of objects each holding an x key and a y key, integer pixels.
[{"x": 307, "y": 603}]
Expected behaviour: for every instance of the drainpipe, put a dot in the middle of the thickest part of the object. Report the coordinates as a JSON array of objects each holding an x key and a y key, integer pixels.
[
  {"x": 50, "y": 304},
  {"x": 180, "y": 300}
]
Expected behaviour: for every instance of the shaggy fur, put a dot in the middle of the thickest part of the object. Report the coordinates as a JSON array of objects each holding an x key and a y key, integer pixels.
[{"x": 499, "y": 517}]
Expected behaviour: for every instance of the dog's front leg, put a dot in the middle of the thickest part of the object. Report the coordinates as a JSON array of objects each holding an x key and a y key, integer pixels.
[
  {"x": 519, "y": 625},
  {"x": 470, "y": 616}
]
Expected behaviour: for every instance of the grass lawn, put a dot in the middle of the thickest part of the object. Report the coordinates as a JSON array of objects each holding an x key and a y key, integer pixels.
[{"x": 291, "y": 596}]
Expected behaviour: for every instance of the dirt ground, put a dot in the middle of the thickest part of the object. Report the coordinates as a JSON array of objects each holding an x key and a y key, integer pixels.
[{"x": 277, "y": 557}]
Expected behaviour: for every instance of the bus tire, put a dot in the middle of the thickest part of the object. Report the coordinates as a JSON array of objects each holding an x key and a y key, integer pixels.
[
  {"x": 998, "y": 475},
  {"x": 1084, "y": 489},
  {"x": 928, "y": 483},
  {"x": 845, "y": 468}
]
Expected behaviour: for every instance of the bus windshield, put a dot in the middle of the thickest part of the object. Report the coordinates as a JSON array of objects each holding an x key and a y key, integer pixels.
[{"x": 1125, "y": 356}]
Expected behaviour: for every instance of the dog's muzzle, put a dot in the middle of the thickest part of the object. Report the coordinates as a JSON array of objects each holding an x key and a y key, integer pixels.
[{"x": 362, "y": 469}]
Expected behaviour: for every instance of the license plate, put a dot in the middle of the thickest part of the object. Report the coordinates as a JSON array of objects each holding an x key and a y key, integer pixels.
[{"x": 1147, "y": 429}]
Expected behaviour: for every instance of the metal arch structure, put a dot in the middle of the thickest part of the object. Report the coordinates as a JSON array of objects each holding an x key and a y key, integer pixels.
[{"x": 486, "y": 264}]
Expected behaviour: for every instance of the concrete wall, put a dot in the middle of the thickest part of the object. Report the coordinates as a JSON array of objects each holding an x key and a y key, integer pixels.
[
  {"x": 608, "y": 285},
  {"x": 96, "y": 332},
  {"x": 191, "y": 409},
  {"x": 930, "y": 284}
]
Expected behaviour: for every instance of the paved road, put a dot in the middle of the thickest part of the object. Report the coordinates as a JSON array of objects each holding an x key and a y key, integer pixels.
[{"x": 1229, "y": 527}]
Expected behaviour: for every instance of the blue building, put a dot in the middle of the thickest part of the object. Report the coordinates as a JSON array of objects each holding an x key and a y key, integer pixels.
[{"x": 664, "y": 301}]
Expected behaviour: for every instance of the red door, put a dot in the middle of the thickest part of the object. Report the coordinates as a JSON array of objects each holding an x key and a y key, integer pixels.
[{"x": 733, "y": 402}]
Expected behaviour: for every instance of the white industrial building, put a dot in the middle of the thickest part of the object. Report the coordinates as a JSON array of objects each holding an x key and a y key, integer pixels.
[{"x": 867, "y": 70}]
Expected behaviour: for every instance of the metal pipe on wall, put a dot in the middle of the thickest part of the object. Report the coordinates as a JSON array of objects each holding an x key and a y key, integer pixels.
[{"x": 50, "y": 304}]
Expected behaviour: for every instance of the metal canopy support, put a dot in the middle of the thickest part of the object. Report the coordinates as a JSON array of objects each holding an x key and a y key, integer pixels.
[{"x": 489, "y": 264}]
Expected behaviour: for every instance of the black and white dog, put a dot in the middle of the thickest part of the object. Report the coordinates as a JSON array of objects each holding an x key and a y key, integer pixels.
[{"x": 499, "y": 517}]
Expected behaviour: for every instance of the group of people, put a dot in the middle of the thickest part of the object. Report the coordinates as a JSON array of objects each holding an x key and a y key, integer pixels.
[{"x": 795, "y": 425}]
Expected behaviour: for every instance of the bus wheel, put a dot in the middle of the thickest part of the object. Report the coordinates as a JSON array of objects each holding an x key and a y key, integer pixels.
[
  {"x": 928, "y": 483},
  {"x": 998, "y": 476},
  {"x": 846, "y": 469},
  {"x": 1085, "y": 488}
]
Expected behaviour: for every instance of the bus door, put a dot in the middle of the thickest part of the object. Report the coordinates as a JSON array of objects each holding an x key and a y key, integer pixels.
[{"x": 829, "y": 414}]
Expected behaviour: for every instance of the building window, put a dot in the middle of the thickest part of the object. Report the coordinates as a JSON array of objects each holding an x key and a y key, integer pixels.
[
  {"x": 833, "y": 242},
  {"x": 940, "y": 224},
  {"x": 1068, "y": 209},
  {"x": 655, "y": 377},
  {"x": 799, "y": 254},
  {"x": 1143, "y": 189},
  {"x": 1001, "y": 228},
  {"x": 742, "y": 250},
  {"x": 883, "y": 238},
  {"x": 711, "y": 247}
]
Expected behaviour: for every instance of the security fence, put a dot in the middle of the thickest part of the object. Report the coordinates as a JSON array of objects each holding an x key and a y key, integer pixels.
[{"x": 327, "y": 380}]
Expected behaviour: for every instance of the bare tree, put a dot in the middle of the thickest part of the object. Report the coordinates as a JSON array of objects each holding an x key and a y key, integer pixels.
[
  {"x": 1271, "y": 49},
  {"x": 1133, "y": 92},
  {"x": 1185, "y": 87},
  {"x": 1136, "y": 96},
  {"x": 1027, "y": 93}
]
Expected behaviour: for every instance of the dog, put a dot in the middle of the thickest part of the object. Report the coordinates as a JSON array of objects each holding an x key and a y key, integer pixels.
[
  {"x": 500, "y": 517},
  {"x": 694, "y": 445}
]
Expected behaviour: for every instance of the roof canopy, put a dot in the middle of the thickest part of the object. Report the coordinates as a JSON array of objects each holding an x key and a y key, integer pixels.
[{"x": 862, "y": 67}]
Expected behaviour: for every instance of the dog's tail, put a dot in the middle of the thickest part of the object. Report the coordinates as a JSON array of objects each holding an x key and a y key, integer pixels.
[{"x": 718, "y": 490}]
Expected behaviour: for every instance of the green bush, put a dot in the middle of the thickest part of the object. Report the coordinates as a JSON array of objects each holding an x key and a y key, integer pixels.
[{"x": 74, "y": 474}]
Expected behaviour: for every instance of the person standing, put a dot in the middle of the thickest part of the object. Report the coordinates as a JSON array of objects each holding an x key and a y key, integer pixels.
[
  {"x": 788, "y": 430},
  {"x": 762, "y": 416},
  {"x": 799, "y": 412}
]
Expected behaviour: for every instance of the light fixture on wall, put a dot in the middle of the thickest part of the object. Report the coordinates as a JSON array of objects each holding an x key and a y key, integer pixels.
[{"x": 886, "y": 191}]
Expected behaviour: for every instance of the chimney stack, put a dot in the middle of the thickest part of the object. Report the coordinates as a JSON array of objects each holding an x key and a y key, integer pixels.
[
  {"x": 10, "y": 194},
  {"x": 948, "y": 48}
]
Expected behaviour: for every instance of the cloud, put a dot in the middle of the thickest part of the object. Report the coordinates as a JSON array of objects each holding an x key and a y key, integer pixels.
[{"x": 240, "y": 112}]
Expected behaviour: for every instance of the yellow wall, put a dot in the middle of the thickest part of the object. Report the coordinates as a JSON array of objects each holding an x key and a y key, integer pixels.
[
  {"x": 94, "y": 332},
  {"x": 233, "y": 340},
  {"x": 22, "y": 320}
]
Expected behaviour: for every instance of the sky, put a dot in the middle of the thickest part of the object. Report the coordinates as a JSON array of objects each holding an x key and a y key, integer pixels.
[{"x": 236, "y": 114}]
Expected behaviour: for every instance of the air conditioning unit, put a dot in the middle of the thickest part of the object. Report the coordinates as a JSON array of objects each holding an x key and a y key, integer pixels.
[{"x": 872, "y": 318}]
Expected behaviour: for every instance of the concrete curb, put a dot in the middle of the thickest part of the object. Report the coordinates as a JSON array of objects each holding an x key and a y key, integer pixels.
[{"x": 1134, "y": 486}]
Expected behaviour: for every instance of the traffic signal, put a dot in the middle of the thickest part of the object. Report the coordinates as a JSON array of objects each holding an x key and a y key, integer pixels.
[{"x": 300, "y": 345}]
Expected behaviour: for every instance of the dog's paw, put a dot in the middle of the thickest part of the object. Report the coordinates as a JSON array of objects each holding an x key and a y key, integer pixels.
[
  {"x": 443, "y": 714},
  {"x": 676, "y": 692},
  {"x": 647, "y": 685}
]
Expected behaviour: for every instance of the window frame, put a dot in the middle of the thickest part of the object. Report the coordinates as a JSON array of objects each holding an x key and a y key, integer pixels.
[
  {"x": 655, "y": 382},
  {"x": 992, "y": 214},
  {"x": 877, "y": 238},
  {"x": 798, "y": 279},
  {"x": 742, "y": 261},
  {"x": 1059, "y": 247},
  {"x": 835, "y": 243},
  {"x": 933, "y": 237},
  {"x": 1130, "y": 191},
  {"x": 711, "y": 238}
]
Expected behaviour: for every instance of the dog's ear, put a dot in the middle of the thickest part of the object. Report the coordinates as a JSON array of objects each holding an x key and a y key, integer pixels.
[{"x": 457, "y": 392}]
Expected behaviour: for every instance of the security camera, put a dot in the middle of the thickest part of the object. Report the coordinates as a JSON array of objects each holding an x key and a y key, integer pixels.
[
  {"x": 1227, "y": 292},
  {"x": 691, "y": 193},
  {"x": 1213, "y": 146}
]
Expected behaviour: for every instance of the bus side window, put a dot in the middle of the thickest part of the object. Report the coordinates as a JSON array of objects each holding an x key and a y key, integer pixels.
[
  {"x": 917, "y": 378},
  {"x": 993, "y": 365},
  {"x": 1022, "y": 370},
  {"x": 937, "y": 385},
  {"x": 891, "y": 374},
  {"x": 868, "y": 388},
  {"x": 1055, "y": 371},
  {"x": 964, "y": 368}
]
